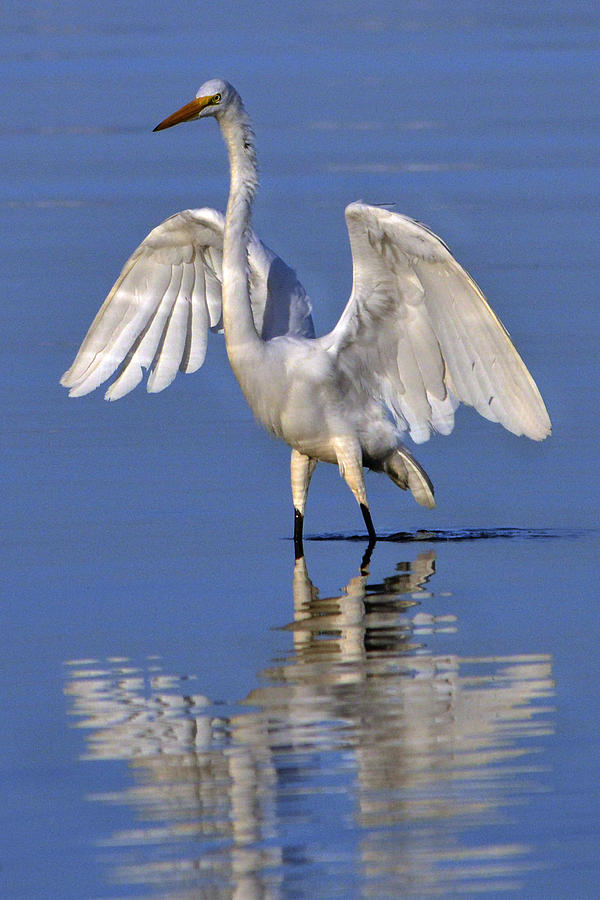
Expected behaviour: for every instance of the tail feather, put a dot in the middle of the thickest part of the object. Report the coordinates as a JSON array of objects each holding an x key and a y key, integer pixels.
[{"x": 405, "y": 471}]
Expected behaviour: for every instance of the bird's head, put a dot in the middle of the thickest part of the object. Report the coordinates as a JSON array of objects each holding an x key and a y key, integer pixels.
[{"x": 212, "y": 99}]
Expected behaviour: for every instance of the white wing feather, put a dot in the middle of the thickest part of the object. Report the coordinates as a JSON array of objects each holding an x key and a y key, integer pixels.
[
  {"x": 418, "y": 334},
  {"x": 167, "y": 298}
]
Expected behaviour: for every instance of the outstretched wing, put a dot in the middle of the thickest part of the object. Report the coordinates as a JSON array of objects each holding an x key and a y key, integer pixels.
[
  {"x": 167, "y": 298},
  {"x": 418, "y": 333}
]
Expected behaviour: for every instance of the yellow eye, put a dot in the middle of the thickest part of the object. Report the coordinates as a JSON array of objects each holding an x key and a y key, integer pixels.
[{"x": 216, "y": 98}]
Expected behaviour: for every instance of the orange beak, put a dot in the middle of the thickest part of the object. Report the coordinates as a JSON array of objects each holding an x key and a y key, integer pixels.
[{"x": 190, "y": 111}]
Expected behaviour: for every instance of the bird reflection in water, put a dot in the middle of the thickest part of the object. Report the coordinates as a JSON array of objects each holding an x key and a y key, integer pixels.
[{"x": 364, "y": 763}]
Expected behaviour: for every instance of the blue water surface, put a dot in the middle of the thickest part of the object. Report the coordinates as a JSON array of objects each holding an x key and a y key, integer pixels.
[{"x": 187, "y": 711}]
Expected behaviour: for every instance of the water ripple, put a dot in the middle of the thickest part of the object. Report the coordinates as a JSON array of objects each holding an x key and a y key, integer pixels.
[
  {"x": 361, "y": 760},
  {"x": 457, "y": 534}
]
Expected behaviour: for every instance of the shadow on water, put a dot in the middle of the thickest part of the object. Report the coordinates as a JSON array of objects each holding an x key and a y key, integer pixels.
[{"x": 360, "y": 764}]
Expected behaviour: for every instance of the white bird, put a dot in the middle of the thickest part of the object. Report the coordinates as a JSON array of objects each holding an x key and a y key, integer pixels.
[{"x": 416, "y": 338}]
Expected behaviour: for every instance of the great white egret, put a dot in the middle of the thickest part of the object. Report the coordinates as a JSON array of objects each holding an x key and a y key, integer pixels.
[{"x": 416, "y": 338}]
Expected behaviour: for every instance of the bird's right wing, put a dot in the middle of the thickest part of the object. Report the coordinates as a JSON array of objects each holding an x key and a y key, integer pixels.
[
  {"x": 418, "y": 334},
  {"x": 167, "y": 298}
]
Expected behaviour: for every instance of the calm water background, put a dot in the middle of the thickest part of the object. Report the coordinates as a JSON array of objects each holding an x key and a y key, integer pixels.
[{"x": 184, "y": 713}]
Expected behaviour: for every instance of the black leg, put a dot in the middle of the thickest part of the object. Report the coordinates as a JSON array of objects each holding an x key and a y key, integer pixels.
[
  {"x": 298, "y": 526},
  {"x": 369, "y": 523}
]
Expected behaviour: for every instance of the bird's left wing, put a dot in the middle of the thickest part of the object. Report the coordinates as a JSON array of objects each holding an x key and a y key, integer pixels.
[
  {"x": 168, "y": 297},
  {"x": 418, "y": 334}
]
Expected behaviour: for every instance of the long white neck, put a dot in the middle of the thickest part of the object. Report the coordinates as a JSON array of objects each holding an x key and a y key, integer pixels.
[{"x": 240, "y": 334}]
